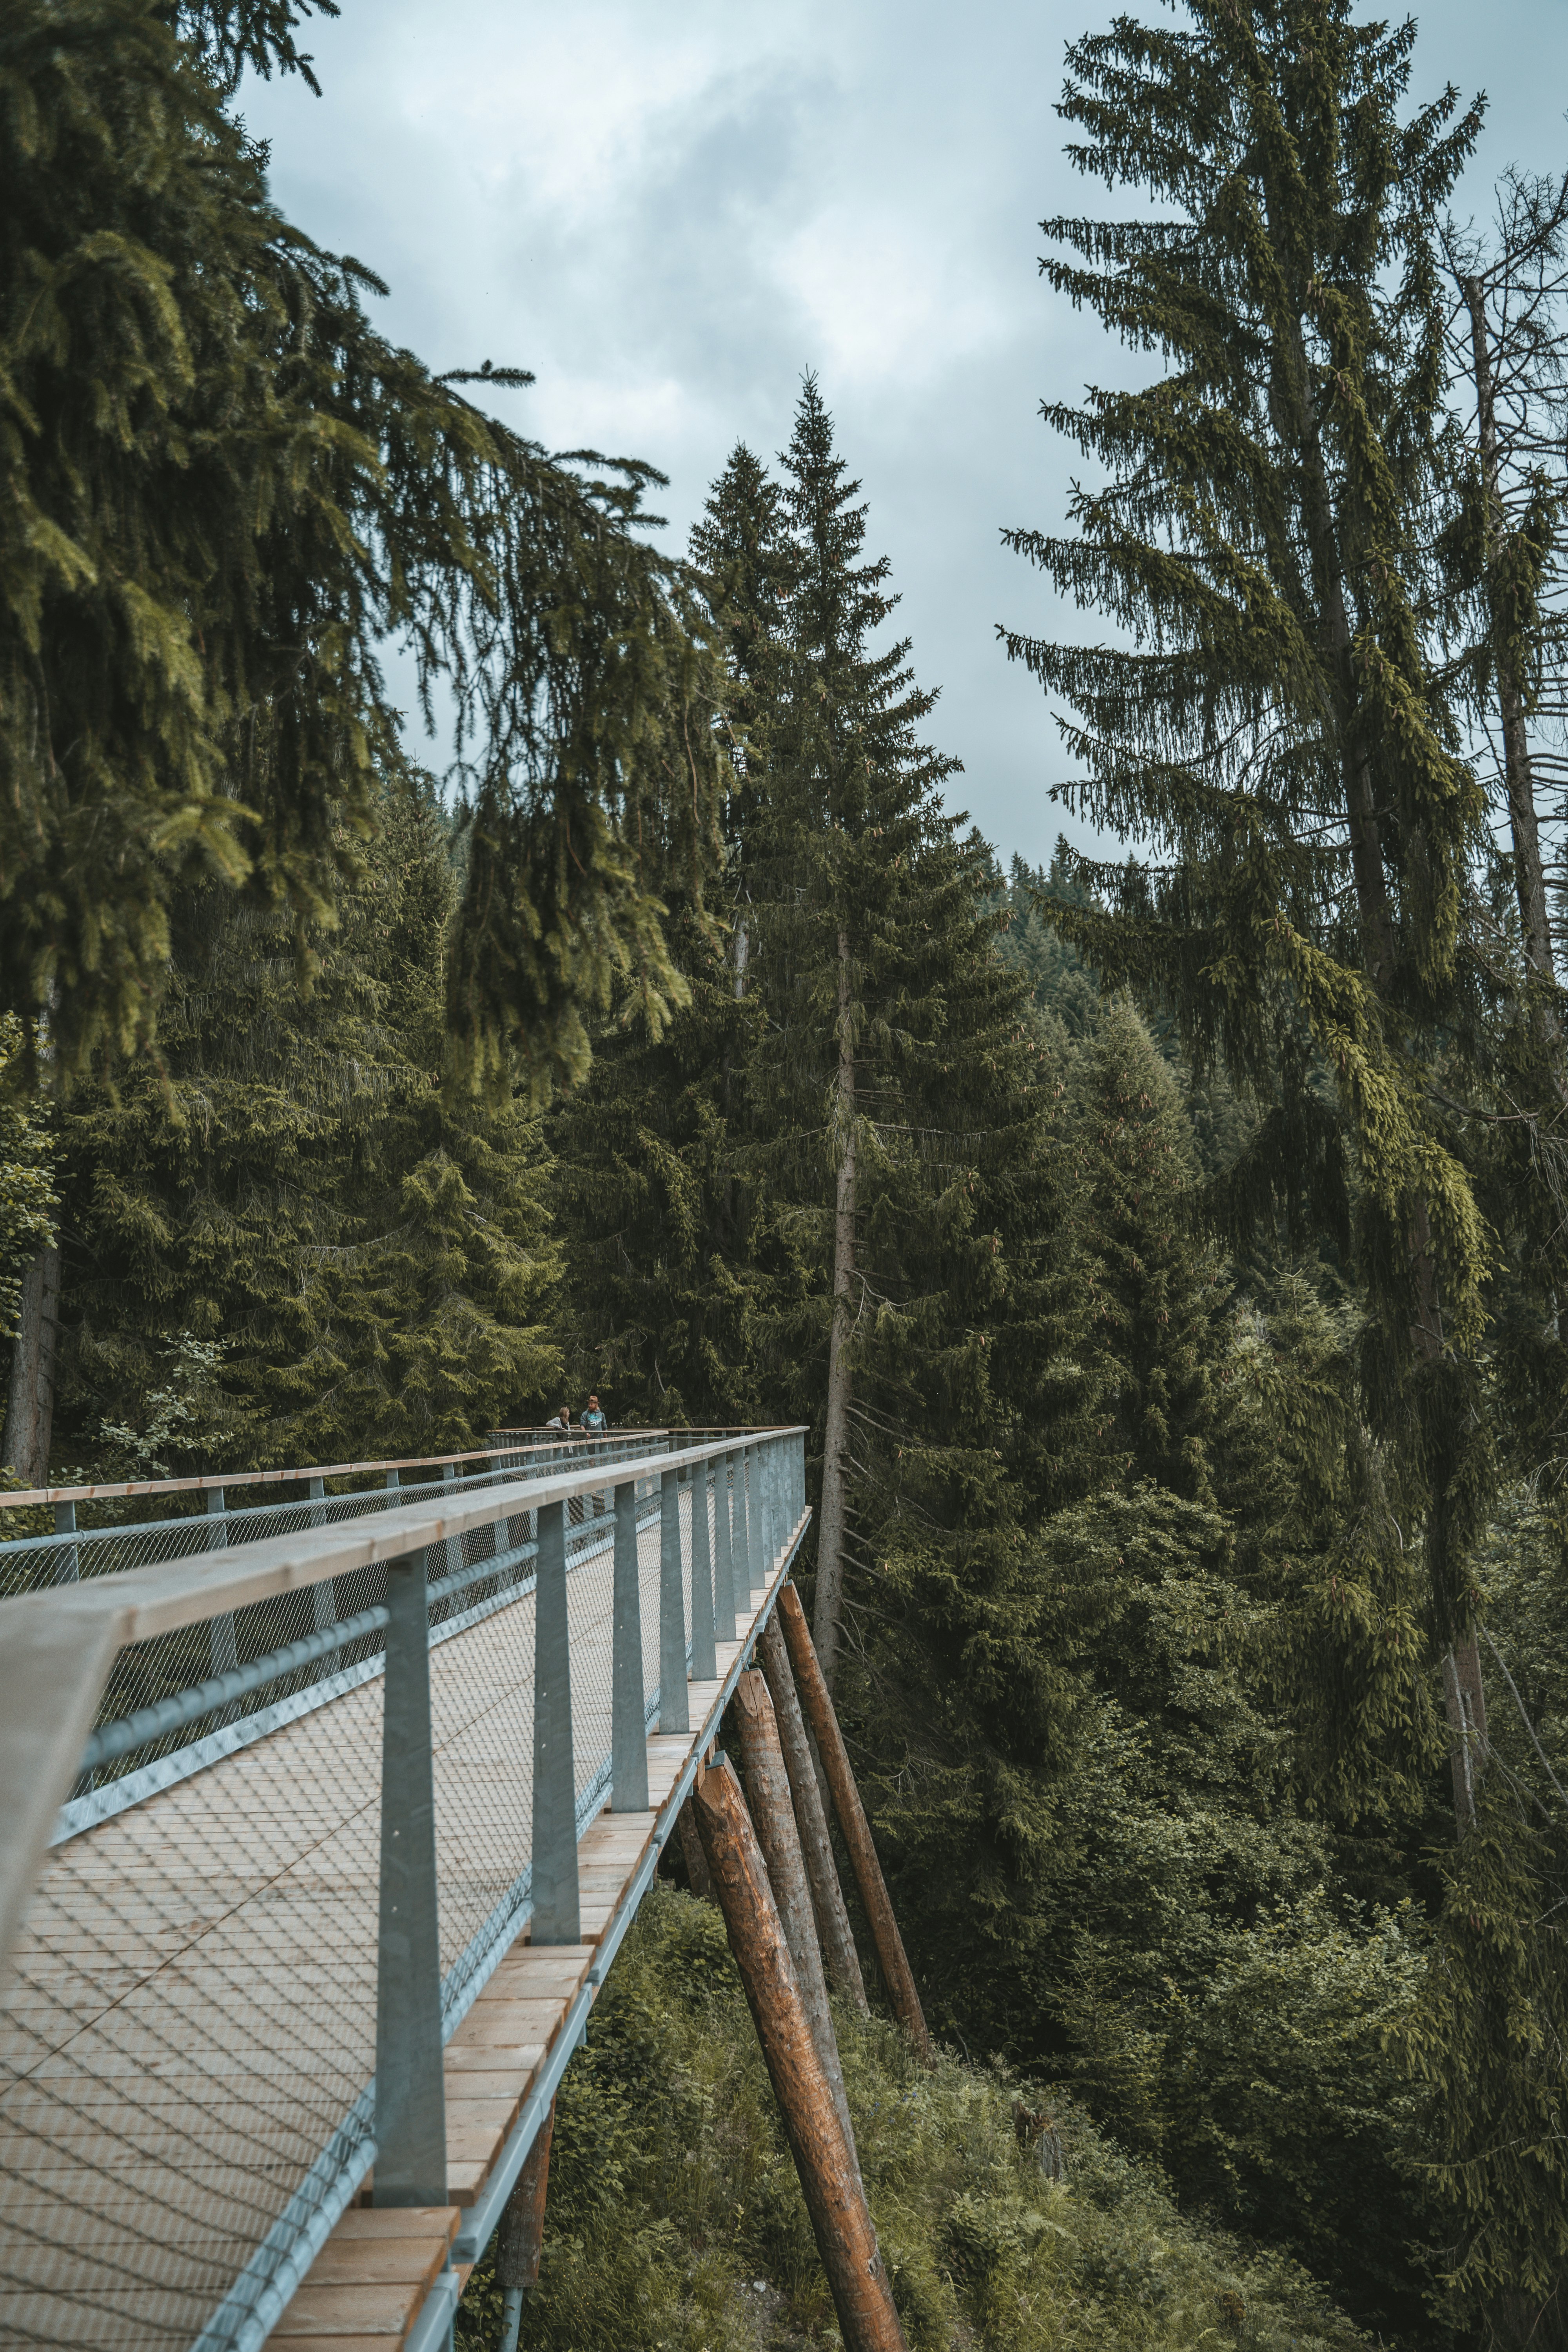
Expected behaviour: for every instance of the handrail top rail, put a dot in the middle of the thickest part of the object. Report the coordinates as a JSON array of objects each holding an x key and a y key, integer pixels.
[
  {"x": 29, "y": 1498},
  {"x": 58, "y": 1645},
  {"x": 161, "y": 1595}
]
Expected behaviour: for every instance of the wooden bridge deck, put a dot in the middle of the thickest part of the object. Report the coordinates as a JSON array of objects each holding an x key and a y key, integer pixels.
[{"x": 222, "y": 1923}]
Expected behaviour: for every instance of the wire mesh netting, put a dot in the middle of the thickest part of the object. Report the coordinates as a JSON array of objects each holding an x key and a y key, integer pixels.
[
  {"x": 134, "y": 1529},
  {"x": 189, "y": 2023}
]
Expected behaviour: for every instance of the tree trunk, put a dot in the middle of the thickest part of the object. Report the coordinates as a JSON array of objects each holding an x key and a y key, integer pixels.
[
  {"x": 831, "y": 1527},
  {"x": 817, "y": 1701},
  {"x": 767, "y": 1788},
  {"x": 840, "y": 2220},
  {"x": 811, "y": 1819},
  {"x": 1529, "y": 879},
  {"x": 30, "y": 1407},
  {"x": 692, "y": 1855},
  {"x": 1464, "y": 1695}
]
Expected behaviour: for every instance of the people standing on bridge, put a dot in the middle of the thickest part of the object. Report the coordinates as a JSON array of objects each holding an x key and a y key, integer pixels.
[
  {"x": 594, "y": 1424},
  {"x": 562, "y": 1424}
]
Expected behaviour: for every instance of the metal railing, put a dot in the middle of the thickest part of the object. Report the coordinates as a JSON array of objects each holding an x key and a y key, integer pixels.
[
  {"x": 131, "y": 1522},
  {"x": 275, "y": 1808}
]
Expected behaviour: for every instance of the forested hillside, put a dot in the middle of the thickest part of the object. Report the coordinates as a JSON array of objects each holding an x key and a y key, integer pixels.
[{"x": 1165, "y": 1248}]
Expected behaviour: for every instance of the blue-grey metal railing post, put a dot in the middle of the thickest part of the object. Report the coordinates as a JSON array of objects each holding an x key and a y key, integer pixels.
[
  {"x": 723, "y": 1552},
  {"x": 755, "y": 1570},
  {"x": 629, "y": 1719},
  {"x": 410, "y": 2101},
  {"x": 557, "y": 1917},
  {"x": 454, "y": 1543},
  {"x": 740, "y": 1549},
  {"x": 225, "y": 1657},
  {"x": 704, "y": 1657},
  {"x": 68, "y": 1568},
  {"x": 672, "y": 1708},
  {"x": 324, "y": 1596},
  {"x": 773, "y": 1538}
]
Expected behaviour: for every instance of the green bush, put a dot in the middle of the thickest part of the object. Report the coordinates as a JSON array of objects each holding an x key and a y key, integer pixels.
[{"x": 675, "y": 2222}]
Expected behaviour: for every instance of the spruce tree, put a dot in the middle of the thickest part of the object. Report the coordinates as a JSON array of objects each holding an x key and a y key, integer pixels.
[
  {"x": 1279, "y": 735},
  {"x": 1159, "y": 1302},
  {"x": 368, "y": 1253},
  {"x": 228, "y": 491},
  {"x": 669, "y": 1257},
  {"x": 1087, "y": 1773}
]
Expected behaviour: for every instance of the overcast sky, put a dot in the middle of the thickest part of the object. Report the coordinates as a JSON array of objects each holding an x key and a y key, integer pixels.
[{"x": 669, "y": 212}]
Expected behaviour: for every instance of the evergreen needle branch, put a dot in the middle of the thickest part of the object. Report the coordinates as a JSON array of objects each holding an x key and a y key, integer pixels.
[{"x": 1524, "y": 1716}]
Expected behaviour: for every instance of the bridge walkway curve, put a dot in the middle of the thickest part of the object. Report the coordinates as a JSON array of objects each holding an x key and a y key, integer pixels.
[{"x": 206, "y": 2137}]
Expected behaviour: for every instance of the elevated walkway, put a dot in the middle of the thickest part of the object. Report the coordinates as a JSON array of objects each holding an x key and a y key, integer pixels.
[{"x": 279, "y": 2023}]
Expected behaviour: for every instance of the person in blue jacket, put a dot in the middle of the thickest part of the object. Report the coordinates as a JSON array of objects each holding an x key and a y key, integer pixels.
[{"x": 593, "y": 1422}]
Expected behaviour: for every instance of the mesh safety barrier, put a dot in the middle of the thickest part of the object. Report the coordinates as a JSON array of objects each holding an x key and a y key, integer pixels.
[{"x": 190, "y": 2009}]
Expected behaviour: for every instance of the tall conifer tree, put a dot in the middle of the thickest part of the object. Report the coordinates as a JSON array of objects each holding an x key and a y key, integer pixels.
[
  {"x": 368, "y": 1251},
  {"x": 1264, "y": 531}
]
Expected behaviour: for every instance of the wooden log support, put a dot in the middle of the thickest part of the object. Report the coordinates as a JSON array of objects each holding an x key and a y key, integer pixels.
[
  {"x": 519, "y": 2240},
  {"x": 767, "y": 1788},
  {"x": 842, "y": 1960},
  {"x": 696, "y": 1861},
  {"x": 818, "y": 1704},
  {"x": 840, "y": 2220}
]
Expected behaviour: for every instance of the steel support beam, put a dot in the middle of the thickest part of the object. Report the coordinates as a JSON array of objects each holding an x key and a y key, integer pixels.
[
  {"x": 556, "y": 1913},
  {"x": 628, "y": 1714},
  {"x": 410, "y": 2101},
  {"x": 672, "y": 1706}
]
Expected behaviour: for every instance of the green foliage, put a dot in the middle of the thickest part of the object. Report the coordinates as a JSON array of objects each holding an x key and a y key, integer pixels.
[
  {"x": 1498, "y": 2016},
  {"x": 369, "y": 1249},
  {"x": 698, "y": 1173},
  {"x": 227, "y": 493},
  {"x": 1275, "y": 729},
  {"x": 675, "y": 2219},
  {"x": 1084, "y": 1733},
  {"x": 27, "y": 1196}
]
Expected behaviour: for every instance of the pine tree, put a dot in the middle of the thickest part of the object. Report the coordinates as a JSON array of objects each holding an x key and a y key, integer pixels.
[
  {"x": 1159, "y": 1301},
  {"x": 1282, "y": 731},
  {"x": 1267, "y": 533},
  {"x": 228, "y": 491},
  {"x": 29, "y": 1262},
  {"x": 296, "y": 1188},
  {"x": 1087, "y": 1773},
  {"x": 671, "y": 1264},
  {"x": 871, "y": 932}
]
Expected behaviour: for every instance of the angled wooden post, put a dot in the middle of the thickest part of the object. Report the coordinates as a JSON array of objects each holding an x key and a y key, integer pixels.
[
  {"x": 767, "y": 1790},
  {"x": 840, "y": 2221},
  {"x": 818, "y": 1705},
  {"x": 519, "y": 2240},
  {"x": 692, "y": 1855},
  {"x": 843, "y": 1961}
]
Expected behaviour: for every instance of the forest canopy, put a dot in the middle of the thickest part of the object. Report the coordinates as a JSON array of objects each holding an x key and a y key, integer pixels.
[{"x": 1164, "y": 1248}]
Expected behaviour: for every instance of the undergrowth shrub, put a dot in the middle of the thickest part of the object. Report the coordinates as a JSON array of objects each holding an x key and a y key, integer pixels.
[{"x": 675, "y": 2222}]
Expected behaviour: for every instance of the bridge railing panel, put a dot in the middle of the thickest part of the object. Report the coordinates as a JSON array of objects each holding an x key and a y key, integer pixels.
[
  {"x": 272, "y": 1816},
  {"x": 100, "y": 1530}
]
